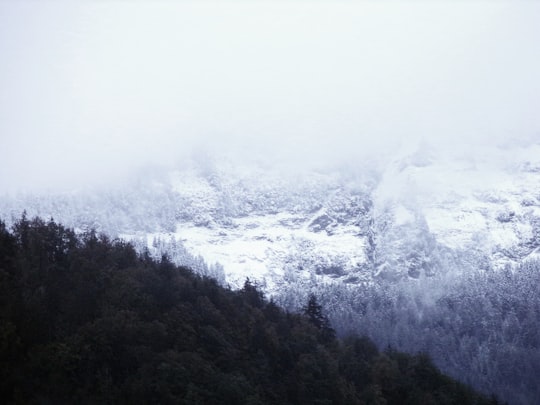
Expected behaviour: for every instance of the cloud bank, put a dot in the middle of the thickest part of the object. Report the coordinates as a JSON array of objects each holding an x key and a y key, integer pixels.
[{"x": 91, "y": 90}]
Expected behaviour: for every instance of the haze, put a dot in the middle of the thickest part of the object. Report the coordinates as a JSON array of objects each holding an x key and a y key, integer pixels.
[{"x": 94, "y": 90}]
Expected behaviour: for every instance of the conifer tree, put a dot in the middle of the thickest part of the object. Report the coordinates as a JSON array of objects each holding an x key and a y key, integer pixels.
[{"x": 313, "y": 310}]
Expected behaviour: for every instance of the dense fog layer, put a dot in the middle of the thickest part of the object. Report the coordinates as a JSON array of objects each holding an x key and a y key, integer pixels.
[{"x": 92, "y": 90}]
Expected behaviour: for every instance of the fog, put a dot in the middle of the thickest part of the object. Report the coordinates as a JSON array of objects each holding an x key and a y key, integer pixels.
[{"x": 92, "y": 90}]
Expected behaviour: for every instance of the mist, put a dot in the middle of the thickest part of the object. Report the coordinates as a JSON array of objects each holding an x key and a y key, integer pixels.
[{"x": 93, "y": 90}]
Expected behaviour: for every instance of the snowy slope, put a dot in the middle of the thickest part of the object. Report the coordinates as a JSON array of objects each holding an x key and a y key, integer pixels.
[
  {"x": 420, "y": 210},
  {"x": 271, "y": 226},
  {"x": 487, "y": 202},
  {"x": 420, "y": 214}
]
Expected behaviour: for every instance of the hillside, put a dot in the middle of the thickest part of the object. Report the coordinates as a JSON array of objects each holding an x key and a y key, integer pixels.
[
  {"x": 398, "y": 248},
  {"x": 85, "y": 319},
  {"x": 419, "y": 210}
]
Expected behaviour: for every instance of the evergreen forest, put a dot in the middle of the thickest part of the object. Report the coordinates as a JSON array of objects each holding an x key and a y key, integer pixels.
[{"x": 86, "y": 319}]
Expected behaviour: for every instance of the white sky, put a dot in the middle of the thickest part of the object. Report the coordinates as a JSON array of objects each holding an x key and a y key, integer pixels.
[{"x": 91, "y": 89}]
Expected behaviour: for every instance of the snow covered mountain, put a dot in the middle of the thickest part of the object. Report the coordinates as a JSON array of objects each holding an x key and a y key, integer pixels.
[
  {"x": 424, "y": 211},
  {"x": 428, "y": 248},
  {"x": 418, "y": 211}
]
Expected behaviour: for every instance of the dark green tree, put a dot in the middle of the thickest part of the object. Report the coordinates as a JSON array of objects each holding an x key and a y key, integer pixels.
[
  {"x": 252, "y": 295},
  {"x": 313, "y": 310}
]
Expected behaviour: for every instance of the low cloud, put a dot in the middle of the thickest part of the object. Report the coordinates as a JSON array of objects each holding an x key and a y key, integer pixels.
[{"x": 93, "y": 90}]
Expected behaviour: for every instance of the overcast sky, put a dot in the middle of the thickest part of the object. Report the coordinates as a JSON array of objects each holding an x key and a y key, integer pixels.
[{"x": 91, "y": 89}]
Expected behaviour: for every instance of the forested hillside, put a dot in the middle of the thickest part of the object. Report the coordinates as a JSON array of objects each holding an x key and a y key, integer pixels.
[
  {"x": 86, "y": 319},
  {"x": 481, "y": 328}
]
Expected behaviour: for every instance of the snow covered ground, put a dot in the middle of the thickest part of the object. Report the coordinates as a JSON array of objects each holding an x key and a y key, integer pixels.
[
  {"x": 264, "y": 247},
  {"x": 488, "y": 203}
]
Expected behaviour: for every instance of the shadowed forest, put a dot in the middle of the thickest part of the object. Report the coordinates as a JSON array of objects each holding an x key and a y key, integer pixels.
[{"x": 86, "y": 319}]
